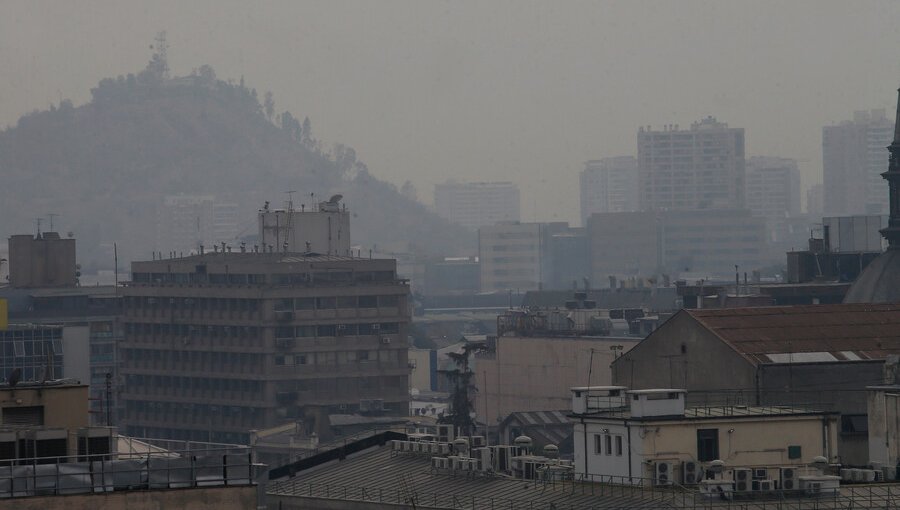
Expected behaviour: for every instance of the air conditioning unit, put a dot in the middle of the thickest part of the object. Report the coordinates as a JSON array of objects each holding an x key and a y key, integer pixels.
[
  {"x": 868, "y": 475},
  {"x": 385, "y": 340},
  {"x": 856, "y": 475},
  {"x": 446, "y": 433},
  {"x": 820, "y": 484},
  {"x": 443, "y": 448},
  {"x": 438, "y": 463},
  {"x": 500, "y": 458},
  {"x": 890, "y": 473},
  {"x": 879, "y": 475},
  {"x": 787, "y": 480},
  {"x": 456, "y": 462},
  {"x": 663, "y": 472},
  {"x": 690, "y": 472},
  {"x": 743, "y": 479},
  {"x": 760, "y": 473},
  {"x": 478, "y": 441},
  {"x": 766, "y": 485},
  {"x": 846, "y": 475},
  {"x": 395, "y": 445}
]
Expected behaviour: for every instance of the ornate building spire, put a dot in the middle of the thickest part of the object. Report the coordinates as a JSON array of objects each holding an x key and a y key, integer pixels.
[{"x": 892, "y": 176}]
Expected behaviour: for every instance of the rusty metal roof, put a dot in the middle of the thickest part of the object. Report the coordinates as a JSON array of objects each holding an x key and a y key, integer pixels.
[{"x": 810, "y": 333}]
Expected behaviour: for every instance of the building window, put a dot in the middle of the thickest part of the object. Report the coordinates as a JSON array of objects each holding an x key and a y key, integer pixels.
[
  {"x": 618, "y": 446},
  {"x": 794, "y": 452},
  {"x": 598, "y": 444},
  {"x": 608, "y": 444},
  {"x": 707, "y": 444}
]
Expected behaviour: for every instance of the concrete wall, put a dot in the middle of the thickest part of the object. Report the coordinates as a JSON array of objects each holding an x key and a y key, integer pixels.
[
  {"x": 828, "y": 386},
  {"x": 884, "y": 426},
  {"x": 64, "y": 406},
  {"x": 231, "y": 498},
  {"x": 683, "y": 354},
  {"x": 536, "y": 373},
  {"x": 76, "y": 344},
  {"x": 45, "y": 262}
]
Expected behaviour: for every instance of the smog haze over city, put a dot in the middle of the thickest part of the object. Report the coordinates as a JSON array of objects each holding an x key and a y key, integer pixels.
[{"x": 498, "y": 90}]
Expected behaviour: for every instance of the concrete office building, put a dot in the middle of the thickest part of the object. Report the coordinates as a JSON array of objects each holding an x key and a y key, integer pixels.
[
  {"x": 710, "y": 242},
  {"x": 854, "y": 154},
  {"x": 477, "y": 204},
  {"x": 187, "y": 222},
  {"x": 323, "y": 229},
  {"x": 609, "y": 185},
  {"x": 221, "y": 343},
  {"x": 515, "y": 256},
  {"x": 86, "y": 318},
  {"x": 773, "y": 193},
  {"x": 697, "y": 168}
]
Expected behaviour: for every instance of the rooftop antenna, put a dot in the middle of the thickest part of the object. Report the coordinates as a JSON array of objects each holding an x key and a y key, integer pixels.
[
  {"x": 290, "y": 203},
  {"x": 39, "y": 221},
  {"x": 51, "y": 216}
]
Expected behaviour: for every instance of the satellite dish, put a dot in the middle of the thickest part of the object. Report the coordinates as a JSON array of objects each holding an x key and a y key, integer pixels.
[
  {"x": 335, "y": 199},
  {"x": 14, "y": 377}
]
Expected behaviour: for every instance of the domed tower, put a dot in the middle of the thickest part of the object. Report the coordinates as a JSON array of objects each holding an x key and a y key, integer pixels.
[{"x": 880, "y": 281}]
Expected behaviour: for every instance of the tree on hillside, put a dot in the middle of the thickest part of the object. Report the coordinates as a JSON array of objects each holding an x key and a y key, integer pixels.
[{"x": 269, "y": 105}]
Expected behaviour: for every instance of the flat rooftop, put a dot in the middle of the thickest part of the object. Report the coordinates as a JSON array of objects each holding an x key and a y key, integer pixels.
[
  {"x": 377, "y": 475},
  {"x": 712, "y": 412}
]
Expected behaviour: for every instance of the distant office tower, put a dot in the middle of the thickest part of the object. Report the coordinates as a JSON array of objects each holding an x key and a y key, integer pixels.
[
  {"x": 324, "y": 229},
  {"x": 609, "y": 185},
  {"x": 477, "y": 204},
  {"x": 516, "y": 256},
  {"x": 700, "y": 242},
  {"x": 43, "y": 261},
  {"x": 815, "y": 200},
  {"x": 854, "y": 154},
  {"x": 773, "y": 192},
  {"x": 186, "y": 222},
  {"x": 699, "y": 168}
]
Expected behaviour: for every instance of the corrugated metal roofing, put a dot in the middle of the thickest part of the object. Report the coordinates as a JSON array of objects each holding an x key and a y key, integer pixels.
[{"x": 844, "y": 332}]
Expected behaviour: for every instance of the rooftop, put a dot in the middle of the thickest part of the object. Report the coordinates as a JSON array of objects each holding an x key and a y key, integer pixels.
[
  {"x": 711, "y": 412},
  {"x": 811, "y": 333},
  {"x": 376, "y": 475}
]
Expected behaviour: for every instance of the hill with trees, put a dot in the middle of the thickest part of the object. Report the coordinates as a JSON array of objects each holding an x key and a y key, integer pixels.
[{"x": 105, "y": 167}]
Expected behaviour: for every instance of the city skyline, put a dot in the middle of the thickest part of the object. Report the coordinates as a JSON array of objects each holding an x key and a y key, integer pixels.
[{"x": 535, "y": 128}]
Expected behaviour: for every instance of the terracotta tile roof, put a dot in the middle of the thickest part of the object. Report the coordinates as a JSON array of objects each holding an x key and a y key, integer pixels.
[{"x": 812, "y": 333}]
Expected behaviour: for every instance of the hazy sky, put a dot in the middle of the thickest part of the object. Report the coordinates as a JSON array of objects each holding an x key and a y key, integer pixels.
[{"x": 487, "y": 90}]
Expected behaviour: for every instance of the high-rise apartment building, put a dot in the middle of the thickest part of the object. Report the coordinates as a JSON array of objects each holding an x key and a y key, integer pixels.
[
  {"x": 186, "y": 222},
  {"x": 815, "y": 200},
  {"x": 773, "y": 192},
  {"x": 221, "y": 343},
  {"x": 854, "y": 154},
  {"x": 477, "y": 204},
  {"x": 609, "y": 185},
  {"x": 698, "y": 168}
]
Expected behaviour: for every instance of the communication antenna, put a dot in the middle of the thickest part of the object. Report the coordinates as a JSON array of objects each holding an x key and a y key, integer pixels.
[
  {"x": 39, "y": 221},
  {"x": 51, "y": 216}
]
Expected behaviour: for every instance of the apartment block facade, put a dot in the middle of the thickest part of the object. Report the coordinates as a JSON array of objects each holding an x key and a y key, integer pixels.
[
  {"x": 854, "y": 154},
  {"x": 697, "y": 168},
  {"x": 477, "y": 204},
  {"x": 609, "y": 185},
  {"x": 219, "y": 344}
]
